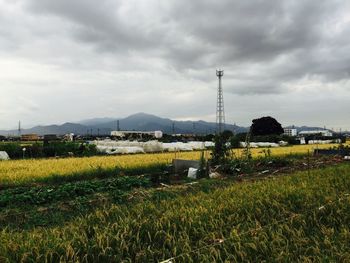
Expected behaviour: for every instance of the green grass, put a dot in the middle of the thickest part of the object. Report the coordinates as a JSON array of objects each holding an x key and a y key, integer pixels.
[{"x": 270, "y": 220}]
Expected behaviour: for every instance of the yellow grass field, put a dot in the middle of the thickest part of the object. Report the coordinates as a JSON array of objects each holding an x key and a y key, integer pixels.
[{"x": 31, "y": 170}]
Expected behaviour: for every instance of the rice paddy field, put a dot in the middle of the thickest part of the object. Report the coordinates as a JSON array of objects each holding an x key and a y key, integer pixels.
[
  {"x": 302, "y": 217},
  {"x": 17, "y": 172},
  {"x": 103, "y": 209}
]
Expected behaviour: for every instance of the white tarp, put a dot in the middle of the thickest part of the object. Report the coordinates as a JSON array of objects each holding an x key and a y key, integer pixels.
[
  {"x": 125, "y": 150},
  {"x": 209, "y": 144},
  {"x": 177, "y": 146},
  {"x": 152, "y": 146},
  {"x": 197, "y": 145},
  {"x": 259, "y": 144},
  {"x": 122, "y": 147},
  {"x": 320, "y": 141},
  {"x": 283, "y": 143},
  {"x": 192, "y": 173},
  {"x": 4, "y": 156}
]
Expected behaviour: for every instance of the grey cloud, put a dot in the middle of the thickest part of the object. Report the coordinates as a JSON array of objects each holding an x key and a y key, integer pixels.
[
  {"x": 251, "y": 30},
  {"x": 106, "y": 24},
  {"x": 239, "y": 33},
  {"x": 88, "y": 48},
  {"x": 202, "y": 34}
]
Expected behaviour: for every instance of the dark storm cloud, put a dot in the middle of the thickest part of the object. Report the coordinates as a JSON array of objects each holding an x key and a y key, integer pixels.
[
  {"x": 244, "y": 33},
  {"x": 102, "y": 23},
  {"x": 205, "y": 34},
  {"x": 115, "y": 52}
]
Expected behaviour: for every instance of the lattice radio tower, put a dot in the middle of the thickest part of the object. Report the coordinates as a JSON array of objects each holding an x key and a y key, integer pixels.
[{"x": 220, "y": 112}]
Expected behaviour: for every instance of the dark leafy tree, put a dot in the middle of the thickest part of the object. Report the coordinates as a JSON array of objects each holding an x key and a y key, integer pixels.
[
  {"x": 220, "y": 152},
  {"x": 235, "y": 142},
  {"x": 208, "y": 137},
  {"x": 226, "y": 135},
  {"x": 266, "y": 126}
]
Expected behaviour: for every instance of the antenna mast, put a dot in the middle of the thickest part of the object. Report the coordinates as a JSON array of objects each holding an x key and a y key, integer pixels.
[
  {"x": 19, "y": 129},
  {"x": 220, "y": 112}
]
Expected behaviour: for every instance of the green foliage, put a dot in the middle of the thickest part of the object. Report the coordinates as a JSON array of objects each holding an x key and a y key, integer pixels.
[
  {"x": 14, "y": 150},
  {"x": 53, "y": 193},
  {"x": 202, "y": 171},
  {"x": 227, "y": 134},
  {"x": 235, "y": 142},
  {"x": 50, "y": 149},
  {"x": 220, "y": 152}
]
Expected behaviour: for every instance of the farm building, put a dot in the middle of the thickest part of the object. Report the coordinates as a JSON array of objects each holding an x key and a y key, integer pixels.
[
  {"x": 325, "y": 133},
  {"x": 30, "y": 137}
]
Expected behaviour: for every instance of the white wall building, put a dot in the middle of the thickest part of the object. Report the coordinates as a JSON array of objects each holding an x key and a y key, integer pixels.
[{"x": 290, "y": 131}]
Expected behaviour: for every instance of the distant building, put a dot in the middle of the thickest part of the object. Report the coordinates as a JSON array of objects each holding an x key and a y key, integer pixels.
[
  {"x": 325, "y": 133},
  {"x": 29, "y": 137},
  {"x": 290, "y": 131}
]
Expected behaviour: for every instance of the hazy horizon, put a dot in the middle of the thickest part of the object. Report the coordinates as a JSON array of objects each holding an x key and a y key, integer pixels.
[{"x": 29, "y": 126}]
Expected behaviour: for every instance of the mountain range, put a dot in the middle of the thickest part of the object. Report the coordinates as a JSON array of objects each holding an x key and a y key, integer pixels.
[{"x": 137, "y": 122}]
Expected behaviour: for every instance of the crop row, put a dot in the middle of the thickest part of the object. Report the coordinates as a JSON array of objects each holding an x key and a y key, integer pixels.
[
  {"x": 272, "y": 220},
  {"x": 53, "y": 193}
]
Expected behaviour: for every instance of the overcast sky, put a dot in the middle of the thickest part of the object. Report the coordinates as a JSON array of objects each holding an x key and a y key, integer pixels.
[{"x": 64, "y": 60}]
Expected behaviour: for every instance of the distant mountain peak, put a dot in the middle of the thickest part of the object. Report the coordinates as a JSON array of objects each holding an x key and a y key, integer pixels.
[
  {"x": 142, "y": 115},
  {"x": 97, "y": 121},
  {"x": 139, "y": 121}
]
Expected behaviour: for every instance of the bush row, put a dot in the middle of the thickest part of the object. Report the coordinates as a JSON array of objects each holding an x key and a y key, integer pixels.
[{"x": 50, "y": 149}]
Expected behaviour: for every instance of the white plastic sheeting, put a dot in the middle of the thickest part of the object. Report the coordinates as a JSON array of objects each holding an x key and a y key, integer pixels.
[
  {"x": 209, "y": 144},
  {"x": 4, "y": 156},
  {"x": 125, "y": 147},
  {"x": 283, "y": 143},
  {"x": 152, "y": 146},
  {"x": 119, "y": 150},
  {"x": 177, "y": 146},
  {"x": 320, "y": 141},
  {"x": 260, "y": 144}
]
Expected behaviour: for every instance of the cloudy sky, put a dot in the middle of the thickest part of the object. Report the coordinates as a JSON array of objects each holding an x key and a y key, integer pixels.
[{"x": 70, "y": 60}]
